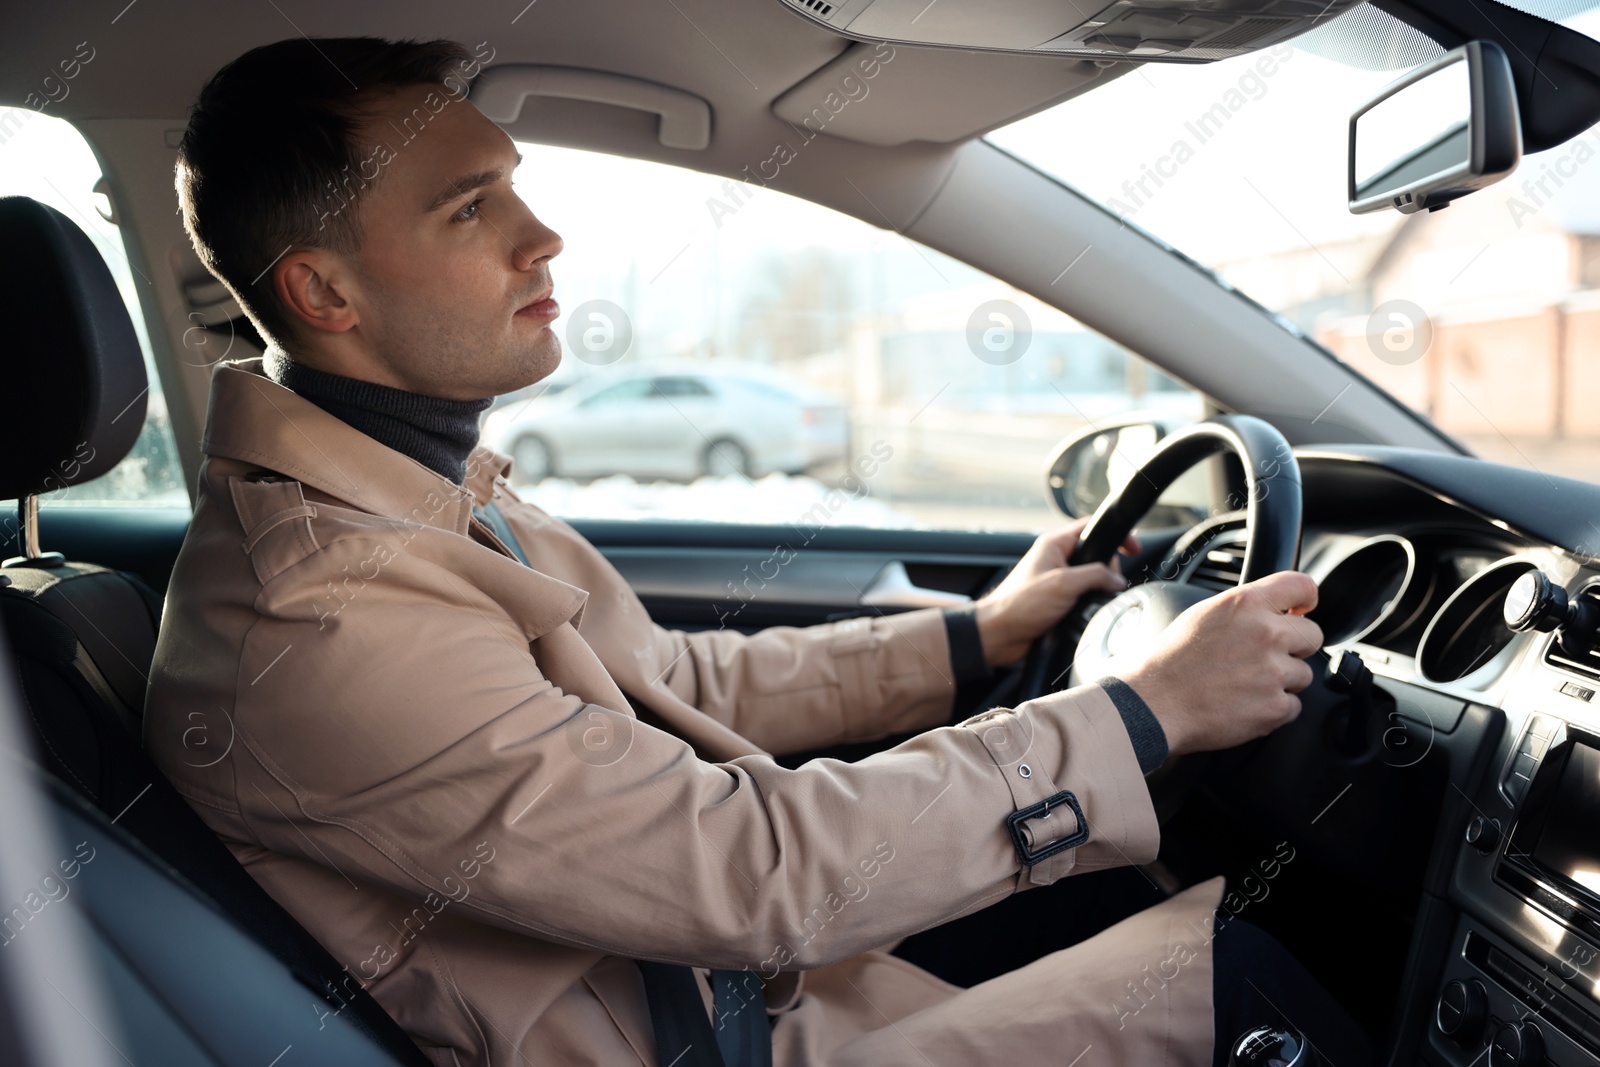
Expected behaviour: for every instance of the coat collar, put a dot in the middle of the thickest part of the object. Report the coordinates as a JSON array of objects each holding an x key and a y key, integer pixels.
[{"x": 254, "y": 420}]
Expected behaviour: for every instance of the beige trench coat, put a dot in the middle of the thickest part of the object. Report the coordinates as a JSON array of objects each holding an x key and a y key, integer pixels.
[{"x": 487, "y": 788}]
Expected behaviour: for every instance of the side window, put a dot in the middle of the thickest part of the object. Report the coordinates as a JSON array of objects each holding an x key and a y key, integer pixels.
[
  {"x": 818, "y": 365},
  {"x": 47, "y": 159},
  {"x": 675, "y": 387},
  {"x": 637, "y": 389}
]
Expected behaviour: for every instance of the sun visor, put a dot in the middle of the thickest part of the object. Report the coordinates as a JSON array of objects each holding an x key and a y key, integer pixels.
[
  {"x": 883, "y": 95},
  {"x": 1194, "y": 31}
]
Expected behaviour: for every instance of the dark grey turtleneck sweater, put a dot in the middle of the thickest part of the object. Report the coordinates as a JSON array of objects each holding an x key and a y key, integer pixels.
[
  {"x": 437, "y": 433},
  {"x": 440, "y": 434}
]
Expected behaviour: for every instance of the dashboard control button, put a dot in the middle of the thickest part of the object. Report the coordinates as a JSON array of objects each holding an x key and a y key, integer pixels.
[
  {"x": 1516, "y": 787},
  {"x": 1541, "y": 730},
  {"x": 1483, "y": 834},
  {"x": 1461, "y": 1011},
  {"x": 1517, "y": 1045}
]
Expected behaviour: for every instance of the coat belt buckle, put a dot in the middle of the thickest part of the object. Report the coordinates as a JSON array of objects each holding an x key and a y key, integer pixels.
[{"x": 1041, "y": 810}]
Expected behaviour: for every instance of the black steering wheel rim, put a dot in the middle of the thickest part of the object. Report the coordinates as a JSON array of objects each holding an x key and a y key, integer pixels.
[
  {"x": 1270, "y": 472},
  {"x": 1272, "y": 505}
]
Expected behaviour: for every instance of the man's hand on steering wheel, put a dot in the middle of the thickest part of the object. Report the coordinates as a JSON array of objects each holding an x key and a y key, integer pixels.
[
  {"x": 1216, "y": 668},
  {"x": 1227, "y": 669},
  {"x": 1039, "y": 591}
]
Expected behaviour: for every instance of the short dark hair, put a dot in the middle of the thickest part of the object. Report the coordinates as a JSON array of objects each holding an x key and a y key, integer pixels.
[{"x": 269, "y": 161}]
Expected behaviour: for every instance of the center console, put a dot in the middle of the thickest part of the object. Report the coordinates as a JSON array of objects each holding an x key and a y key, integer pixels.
[{"x": 1521, "y": 984}]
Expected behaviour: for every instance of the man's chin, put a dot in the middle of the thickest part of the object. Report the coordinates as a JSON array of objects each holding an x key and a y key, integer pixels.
[{"x": 537, "y": 362}]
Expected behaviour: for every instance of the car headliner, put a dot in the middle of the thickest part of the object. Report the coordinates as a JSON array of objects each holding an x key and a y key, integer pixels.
[{"x": 739, "y": 55}]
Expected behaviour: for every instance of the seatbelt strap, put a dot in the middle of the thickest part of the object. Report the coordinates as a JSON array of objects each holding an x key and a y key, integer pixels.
[
  {"x": 490, "y": 515},
  {"x": 684, "y": 1036},
  {"x": 678, "y": 1016},
  {"x": 744, "y": 1032}
]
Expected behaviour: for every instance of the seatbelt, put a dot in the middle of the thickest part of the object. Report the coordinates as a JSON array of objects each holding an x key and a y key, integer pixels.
[
  {"x": 678, "y": 1017},
  {"x": 744, "y": 1031},
  {"x": 684, "y": 1037},
  {"x": 489, "y": 514}
]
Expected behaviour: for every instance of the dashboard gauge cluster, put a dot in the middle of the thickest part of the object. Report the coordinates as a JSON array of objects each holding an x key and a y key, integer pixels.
[
  {"x": 1436, "y": 595},
  {"x": 1372, "y": 593},
  {"x": 1429, "y": 596}
]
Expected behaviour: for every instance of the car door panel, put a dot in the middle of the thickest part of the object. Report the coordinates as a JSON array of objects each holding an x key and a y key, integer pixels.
[
  {"x": 684, "y": 571},
  {"x": 691, "y": 575},
  {"x": 749, "y": 588},
  {"x": 699, "y": 575}
]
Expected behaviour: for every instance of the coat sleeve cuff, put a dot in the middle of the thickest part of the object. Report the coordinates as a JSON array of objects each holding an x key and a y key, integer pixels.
[
  {"x": 1144, "y": 729},
  {"x": 1070, "y": 744},
  {"x": 966, "y": 644}
]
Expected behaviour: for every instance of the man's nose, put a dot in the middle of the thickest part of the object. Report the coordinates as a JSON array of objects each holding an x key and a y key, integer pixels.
[{"x": 535, "y": 242}]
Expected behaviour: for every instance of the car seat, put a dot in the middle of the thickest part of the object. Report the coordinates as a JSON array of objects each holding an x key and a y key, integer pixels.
[{"x": 82, "y": 637}]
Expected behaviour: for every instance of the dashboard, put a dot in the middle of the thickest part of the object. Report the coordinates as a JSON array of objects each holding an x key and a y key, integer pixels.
[{"x": 1470, "y": 772}]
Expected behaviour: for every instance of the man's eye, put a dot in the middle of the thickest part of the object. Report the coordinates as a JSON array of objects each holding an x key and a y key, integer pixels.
[{"x": 468, "y": 213}]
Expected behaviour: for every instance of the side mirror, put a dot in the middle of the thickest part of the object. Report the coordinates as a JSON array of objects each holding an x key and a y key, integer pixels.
[
  {"x": 1442, "y": 131},
  {"x": 1087, "y": 468}
]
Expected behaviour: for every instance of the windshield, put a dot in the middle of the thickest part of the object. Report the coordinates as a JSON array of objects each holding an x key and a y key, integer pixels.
[{"x": 1484, "y": 317}]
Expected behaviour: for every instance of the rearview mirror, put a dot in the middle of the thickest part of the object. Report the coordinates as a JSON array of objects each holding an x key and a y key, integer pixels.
[{"x": 1442, "y": 131}]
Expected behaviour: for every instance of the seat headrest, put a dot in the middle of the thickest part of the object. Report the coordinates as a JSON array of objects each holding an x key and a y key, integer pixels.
[{"x": 71, "y": 374}]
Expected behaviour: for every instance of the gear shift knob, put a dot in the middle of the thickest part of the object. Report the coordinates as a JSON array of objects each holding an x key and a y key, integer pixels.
[{"x": 1268, "y": 1046}]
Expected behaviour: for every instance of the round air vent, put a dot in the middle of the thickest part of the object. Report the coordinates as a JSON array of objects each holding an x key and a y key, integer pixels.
[{"x": 1469, "y": 629}]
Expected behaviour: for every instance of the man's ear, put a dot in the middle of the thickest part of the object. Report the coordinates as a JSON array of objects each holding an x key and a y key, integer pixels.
[{"x": 315, "y": 288}]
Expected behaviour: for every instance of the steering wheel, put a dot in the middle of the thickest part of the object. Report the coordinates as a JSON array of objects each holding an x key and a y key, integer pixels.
[{"x": 1101, "y": 629}]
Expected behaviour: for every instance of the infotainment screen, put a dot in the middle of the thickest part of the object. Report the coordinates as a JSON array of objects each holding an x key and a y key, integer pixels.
[{"x": 1568, "y": 844}]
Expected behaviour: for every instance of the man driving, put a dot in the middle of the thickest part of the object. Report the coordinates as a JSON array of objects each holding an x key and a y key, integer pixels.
[{"x": 439, "y": 728}]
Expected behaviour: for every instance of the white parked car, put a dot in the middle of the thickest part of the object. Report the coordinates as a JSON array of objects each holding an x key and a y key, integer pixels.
[{"x": 677, "y": 424}]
